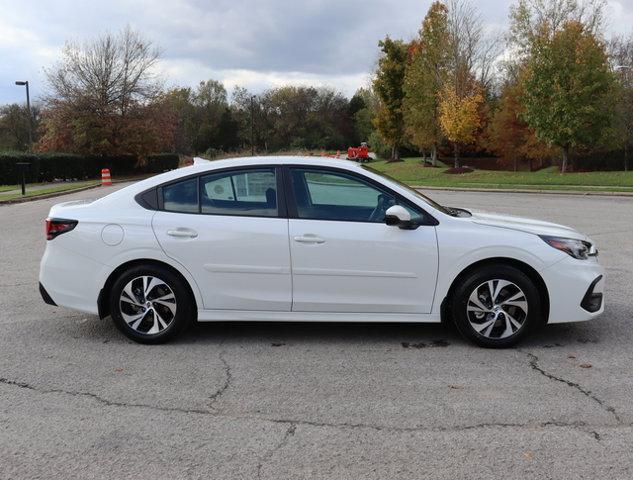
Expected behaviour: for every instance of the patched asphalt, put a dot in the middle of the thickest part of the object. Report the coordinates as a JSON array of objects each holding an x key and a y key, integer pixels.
[{"x": 297, "y": 401}]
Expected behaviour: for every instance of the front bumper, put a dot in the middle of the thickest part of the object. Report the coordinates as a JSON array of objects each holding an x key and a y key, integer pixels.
[{"x": 576, "y": 289}]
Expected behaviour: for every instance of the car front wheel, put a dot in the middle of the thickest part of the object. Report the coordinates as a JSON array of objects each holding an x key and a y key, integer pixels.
[
  {"x": 496, "y": 306},
  {"x": 150, "y": 304}
]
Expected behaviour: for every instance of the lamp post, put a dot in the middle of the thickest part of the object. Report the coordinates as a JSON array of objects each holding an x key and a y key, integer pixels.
[
  {"x": 252, "y": 125},
  {"x": 28, "y": 107}
]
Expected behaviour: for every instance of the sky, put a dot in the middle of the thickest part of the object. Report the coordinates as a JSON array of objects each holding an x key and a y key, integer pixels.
[{"x": 252, "y": 43}]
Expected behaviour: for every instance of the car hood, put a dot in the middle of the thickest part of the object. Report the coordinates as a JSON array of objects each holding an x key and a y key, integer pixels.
[{"x": 528, "y": 225}]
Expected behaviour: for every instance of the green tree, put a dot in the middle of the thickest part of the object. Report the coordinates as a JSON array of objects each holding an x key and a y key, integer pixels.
[
  {"x": 622, "y": 58},
  {"x": 14, "y": 126},
  {"x": 363, "y": 106},
  {"x": 425, "y": 76},
  {"x": 389, "y": 87},
  {"x": 568, "y": 89},
  {"x": 209, "y": 102}
]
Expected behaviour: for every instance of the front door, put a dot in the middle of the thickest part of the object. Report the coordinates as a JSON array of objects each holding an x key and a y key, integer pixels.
[
  {"x": 345, "y": 258},
  {"x": 226, "y": 229}
]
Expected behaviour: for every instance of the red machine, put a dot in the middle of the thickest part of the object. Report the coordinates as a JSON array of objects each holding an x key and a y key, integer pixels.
[{"x": 359, "y": 154}]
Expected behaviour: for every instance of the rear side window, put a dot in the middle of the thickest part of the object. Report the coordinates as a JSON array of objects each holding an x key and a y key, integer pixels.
[
  {"x": 243, "y": 192},
  {"x": 181, "y": 197}
]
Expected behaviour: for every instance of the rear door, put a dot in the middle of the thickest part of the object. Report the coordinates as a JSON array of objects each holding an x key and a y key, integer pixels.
[
  {"x": 228, "y": 228},
  {"x": 345, "y": 258}
]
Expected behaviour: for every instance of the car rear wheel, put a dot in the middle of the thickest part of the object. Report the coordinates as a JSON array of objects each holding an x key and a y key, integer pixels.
[
  {"x": 496, "y": 306},
  {"x": 150, "y": 304}
]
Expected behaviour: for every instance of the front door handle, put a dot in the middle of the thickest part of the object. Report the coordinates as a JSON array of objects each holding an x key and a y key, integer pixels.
[
  {"x": 308, "y": 238},
  {"x": 182, "y": 233}
]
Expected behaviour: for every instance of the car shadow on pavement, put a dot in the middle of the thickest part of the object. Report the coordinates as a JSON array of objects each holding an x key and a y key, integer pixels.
[
  {"x": 276, "y": 334},
  {"x": 406, "y": 335}
]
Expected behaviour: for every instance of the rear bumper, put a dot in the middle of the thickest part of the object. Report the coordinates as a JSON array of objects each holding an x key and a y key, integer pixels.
[
  {"x": 68, "y": 279},
  {"x": 574, "y": 287},
  {"x": 45, "y": 296}
]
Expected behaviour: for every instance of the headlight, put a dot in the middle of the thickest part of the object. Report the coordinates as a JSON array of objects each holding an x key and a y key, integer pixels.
[{"x": 575, "y": 248}]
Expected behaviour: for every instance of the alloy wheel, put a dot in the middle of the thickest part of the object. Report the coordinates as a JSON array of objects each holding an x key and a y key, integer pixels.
[
  {"x": 497, "y": 309},
  {"x": 147, "y": 304}
]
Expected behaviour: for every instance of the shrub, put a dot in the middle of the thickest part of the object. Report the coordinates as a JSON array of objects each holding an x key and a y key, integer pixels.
[{"x": 46, "y": 167}]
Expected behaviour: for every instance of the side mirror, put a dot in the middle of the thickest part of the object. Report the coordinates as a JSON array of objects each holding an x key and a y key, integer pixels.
[{"x": 398, "y": 216}]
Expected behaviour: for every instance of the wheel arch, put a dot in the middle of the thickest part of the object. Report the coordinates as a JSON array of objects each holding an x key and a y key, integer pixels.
[
  {"x": 102, "y": 301},
  {"x": 518, "y": 264}
]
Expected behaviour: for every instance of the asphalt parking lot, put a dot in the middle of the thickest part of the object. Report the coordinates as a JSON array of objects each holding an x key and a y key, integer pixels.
[{"x": 297, "y": 401}]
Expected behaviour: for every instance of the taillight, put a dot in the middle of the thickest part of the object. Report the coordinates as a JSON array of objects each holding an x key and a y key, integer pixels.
[{"x": 57, "y": 226}]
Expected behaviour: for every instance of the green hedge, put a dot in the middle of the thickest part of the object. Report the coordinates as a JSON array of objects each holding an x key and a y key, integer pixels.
[{"x": 46, "y": 167}]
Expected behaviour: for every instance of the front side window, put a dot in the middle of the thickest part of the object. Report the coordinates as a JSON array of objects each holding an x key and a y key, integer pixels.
[
  {"x": 244, "y": 192},
  {"x": 329, "y": 195}
]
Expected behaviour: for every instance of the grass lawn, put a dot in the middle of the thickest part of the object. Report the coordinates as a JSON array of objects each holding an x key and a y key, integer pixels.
[
  {"x": 412, "y": 172},
  {"x": 54, "y": 188}
]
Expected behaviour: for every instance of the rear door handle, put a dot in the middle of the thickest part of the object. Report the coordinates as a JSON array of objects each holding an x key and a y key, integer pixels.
[
  {"x": 308, "y": 238},
  {"x": 182, "y": 233}
]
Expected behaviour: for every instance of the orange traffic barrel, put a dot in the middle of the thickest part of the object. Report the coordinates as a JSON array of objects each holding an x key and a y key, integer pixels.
[{"x": 106, "y": 181}]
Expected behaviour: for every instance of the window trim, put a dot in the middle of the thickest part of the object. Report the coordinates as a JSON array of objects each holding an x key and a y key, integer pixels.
[
  {"x": 292, "y": 203},
  {"x": 282, "y": 211}
]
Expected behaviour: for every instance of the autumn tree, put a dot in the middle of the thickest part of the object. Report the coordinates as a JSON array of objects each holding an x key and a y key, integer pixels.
[
  {"x": 426, "y": 74},
  {"x": 100, "y": 91},
  {"x": 531, "y": 21},
  {"x": 459, "y": 117},
  {"x": 389, "y": 87},
  {"x": 461, "y": 99},
  {"x": 508, "y": 135},
  {"x": 568, "y": 89}
]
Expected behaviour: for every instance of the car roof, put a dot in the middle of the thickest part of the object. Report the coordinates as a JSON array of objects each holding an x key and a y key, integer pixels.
[{"x": 275, "y": 160}]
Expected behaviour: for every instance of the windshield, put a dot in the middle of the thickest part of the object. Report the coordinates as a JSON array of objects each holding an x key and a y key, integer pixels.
[{"x": 433, "y": 203}]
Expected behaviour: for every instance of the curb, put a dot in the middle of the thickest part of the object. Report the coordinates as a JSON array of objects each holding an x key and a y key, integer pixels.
[
  {"x": 47, "y": 195},
  {"x": 526, "y": 190}
]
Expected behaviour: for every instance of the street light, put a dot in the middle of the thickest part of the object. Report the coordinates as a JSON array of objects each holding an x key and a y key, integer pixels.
[
  {"x": 28, "y": 107},
  {"x": 252, "y": 125}
]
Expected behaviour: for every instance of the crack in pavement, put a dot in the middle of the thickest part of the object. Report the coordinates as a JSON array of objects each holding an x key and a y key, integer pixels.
[
  {"x": 94, "y": 396},
  {"x": 227, "y": 382},
  {"x": 290, "y": 431},
  {"x": 534, "y": 365},
  {"x": 293, "y": 423}
]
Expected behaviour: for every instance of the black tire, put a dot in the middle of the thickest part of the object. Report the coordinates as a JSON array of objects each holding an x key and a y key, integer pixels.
[
  {"x": 171, "y": 319},
  {"x": 490, "y": 326}
]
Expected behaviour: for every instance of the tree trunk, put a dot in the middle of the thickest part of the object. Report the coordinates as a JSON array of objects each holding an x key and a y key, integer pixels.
[
  {"x": 563, "y": 167},
  {"x": 395, "y": 154},
  {"x": 434, "y": 155},
  {"x": 456, "y": 155},
  {"x": 423, "y": 154},
  {"x": 515, "y": 164},
  {"x": 626, "y": 157}
]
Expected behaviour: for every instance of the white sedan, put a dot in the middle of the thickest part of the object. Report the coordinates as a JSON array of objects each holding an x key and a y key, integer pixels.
[{"x": 310, "y": 239}]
